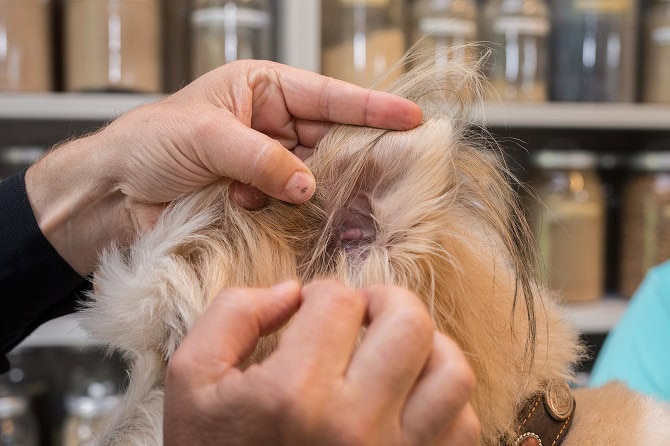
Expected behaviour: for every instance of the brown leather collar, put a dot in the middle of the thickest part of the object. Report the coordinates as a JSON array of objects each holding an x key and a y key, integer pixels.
[{"x": 545, "y": 418}]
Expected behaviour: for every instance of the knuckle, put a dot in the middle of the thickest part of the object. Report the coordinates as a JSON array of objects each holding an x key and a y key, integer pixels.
[
  {"x": 415, "y": 322},
  {"x": 463, "y": 377},
  {"x": 205, "y": 127}
]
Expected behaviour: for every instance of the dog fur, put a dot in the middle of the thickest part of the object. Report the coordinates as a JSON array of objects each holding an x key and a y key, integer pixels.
[{"x": 432, "y": 210}]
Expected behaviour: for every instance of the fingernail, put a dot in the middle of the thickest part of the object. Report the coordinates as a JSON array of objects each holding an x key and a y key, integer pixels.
[
  {"x": 300, "y": 187},
  {"x": 284, "y": 287}
]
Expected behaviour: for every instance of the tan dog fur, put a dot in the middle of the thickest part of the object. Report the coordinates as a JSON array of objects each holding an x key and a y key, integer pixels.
[{"x": 438, "y": 217}]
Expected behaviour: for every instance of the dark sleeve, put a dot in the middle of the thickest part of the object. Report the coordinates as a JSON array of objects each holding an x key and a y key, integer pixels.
[{"x": 36, "y": 284}]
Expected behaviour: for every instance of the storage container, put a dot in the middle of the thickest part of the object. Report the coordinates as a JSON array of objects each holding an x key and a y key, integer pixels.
[
  {"x": 518, "y": 31},
  {"x": 25, "y": 45},
  {"x": 645, "y": 231},
  {"x": 113, "y": 45},
  {"x": 656, "y": 81},
  {"x": 223, "y": 31},
  {"x": 593, "y": 50},
  {"x": 442, "y": 25},
  {"x": 569, "y": 223},
  {"x": 362, "y": 39}
]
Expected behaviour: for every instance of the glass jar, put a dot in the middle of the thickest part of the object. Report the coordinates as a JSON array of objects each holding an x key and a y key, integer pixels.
[
  {"x": 593, "y": 50},
  {"x": 519, "y": 30},
  {"x": 362, "y": 39},
  {"x": 176, "y": 44},
  {"x": 223, "y": 31},
  {"x": 18, "y": 426},
  {"x": 112, "y": 45},
  {"x": 25, "y": 45},
  {"x": 645, "y": 228},
  {"x": 441, "y": 25},
  {"x": 569, "y": 223},
  {"x": 656, "y": 85},
  {"x": 86, "y": 412}
]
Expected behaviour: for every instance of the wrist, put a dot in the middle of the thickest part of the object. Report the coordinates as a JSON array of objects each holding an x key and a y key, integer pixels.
[{"x": 74, "y": 195}]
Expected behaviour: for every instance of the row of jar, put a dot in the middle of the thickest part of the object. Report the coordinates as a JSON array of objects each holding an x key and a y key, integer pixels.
[
  {"x": 588, "y": 46},
  {"x": 126, "y": 45},
  {"x": 580, "y": 50},
  {"x": 63, "y": 405},
  {"x": 570, "y": 221}
]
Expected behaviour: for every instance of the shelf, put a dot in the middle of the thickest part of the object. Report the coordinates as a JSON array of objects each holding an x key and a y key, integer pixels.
[
  {"x": 590, "y": 116},
  {"x": 69, "y": 106},
  {"x": 596, "y": 317},
  {"x": 590, "y": 318},
  {"x": 63, "y": 331},
  {"x": 103, "y": 107}
]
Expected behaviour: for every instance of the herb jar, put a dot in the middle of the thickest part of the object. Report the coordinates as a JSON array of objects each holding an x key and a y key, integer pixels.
[
  {"x": 442, "y": 27},
  {"x": 223, "y": 31},
  {"x": 656, "y": 85},
  {"x": 18, "y": 426},
  {"x": 86, "y": 412},
  {"x": 594, "y": 43},
  {"x": 362, "y": 39},
  {"x": 112, "y": 45},
  {"x": 519, "y": 31},
  {"x": 645, "y": 228},
  {"x": 569, "y": 223},
  {"x": 25, "y": 45}
]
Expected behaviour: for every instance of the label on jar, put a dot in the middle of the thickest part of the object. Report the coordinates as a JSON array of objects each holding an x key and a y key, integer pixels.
[
  {"x": 616, "y": 6},
  {"x": 448, "y": 27},
  {"x": 661, "y": 35},
  {"x": 230, "y": 14},
  {"x": 533, "y": 26}
]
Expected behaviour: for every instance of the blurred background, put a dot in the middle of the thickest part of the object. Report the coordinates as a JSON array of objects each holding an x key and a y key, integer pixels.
[{"x": 579, "y": 99}]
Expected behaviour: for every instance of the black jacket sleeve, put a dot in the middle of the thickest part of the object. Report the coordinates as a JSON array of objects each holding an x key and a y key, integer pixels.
[{"x": 36, "y": 284}]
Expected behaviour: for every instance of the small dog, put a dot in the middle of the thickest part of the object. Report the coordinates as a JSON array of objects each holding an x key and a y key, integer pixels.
[{"x": 430, "y": 209}]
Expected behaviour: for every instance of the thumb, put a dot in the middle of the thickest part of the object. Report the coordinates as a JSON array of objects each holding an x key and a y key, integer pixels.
[
  {"x": 226, "y": 334},
  {"x": 254, "y": 158}
]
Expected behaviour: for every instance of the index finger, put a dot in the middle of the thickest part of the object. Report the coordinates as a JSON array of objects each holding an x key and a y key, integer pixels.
[{"x": 312, "y": 96}]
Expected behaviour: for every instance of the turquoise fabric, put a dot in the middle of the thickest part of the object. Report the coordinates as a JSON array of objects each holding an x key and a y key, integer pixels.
[{"x": 637, "y": 351}]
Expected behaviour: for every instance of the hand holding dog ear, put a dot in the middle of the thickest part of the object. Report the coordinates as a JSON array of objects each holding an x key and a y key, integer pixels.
[
  {"x": 405, "y": 384},
  {"x": 242, "y": 121}
]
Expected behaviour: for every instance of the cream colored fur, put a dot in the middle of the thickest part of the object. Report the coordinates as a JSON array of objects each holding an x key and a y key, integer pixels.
[{"x": 438, "y": 216}]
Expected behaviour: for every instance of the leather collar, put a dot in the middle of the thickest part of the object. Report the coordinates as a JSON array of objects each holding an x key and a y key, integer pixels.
[{"x": 545, "y": 418}]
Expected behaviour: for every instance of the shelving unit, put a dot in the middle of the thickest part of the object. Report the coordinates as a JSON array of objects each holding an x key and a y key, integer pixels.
[{"x": 575, "y": 116}]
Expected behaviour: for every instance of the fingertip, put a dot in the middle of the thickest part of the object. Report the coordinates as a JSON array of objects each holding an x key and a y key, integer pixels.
[{"x": 300, "y": 187}]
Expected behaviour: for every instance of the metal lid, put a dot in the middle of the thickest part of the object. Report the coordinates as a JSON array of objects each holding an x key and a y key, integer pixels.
[
  {"x": 13, "y": 406},
  {"x": 565, "y": 159},
  {"x": 90, "y": 407},
  {"x": 651, "y": 161}
]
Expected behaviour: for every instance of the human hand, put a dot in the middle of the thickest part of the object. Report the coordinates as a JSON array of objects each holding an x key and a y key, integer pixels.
[
  {"x": 238, "y": 122},
  {"x": 404, "y": 384},
  {"x": 242, "y": 121}
]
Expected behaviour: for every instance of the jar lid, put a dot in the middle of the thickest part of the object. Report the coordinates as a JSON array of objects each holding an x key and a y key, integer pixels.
[
  {"x": 13, "y": 406},
  {"x": 565, "y": 159},
  {"x": 651, "y": 161},
  {"x": 230, "y": 15},
  {"x": 90, "y": 407}
]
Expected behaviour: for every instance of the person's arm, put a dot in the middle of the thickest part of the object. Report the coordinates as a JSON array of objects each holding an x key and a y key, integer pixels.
[
  {"x": 34, "y": 279},
  {"x": 636, "y": 350}
]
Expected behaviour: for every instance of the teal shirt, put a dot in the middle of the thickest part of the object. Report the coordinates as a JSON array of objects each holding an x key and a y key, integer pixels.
[{"x": 637, "y": 351}]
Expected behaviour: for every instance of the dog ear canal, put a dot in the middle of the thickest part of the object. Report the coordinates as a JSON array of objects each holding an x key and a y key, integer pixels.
[{"x": 355, "y": 226}]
